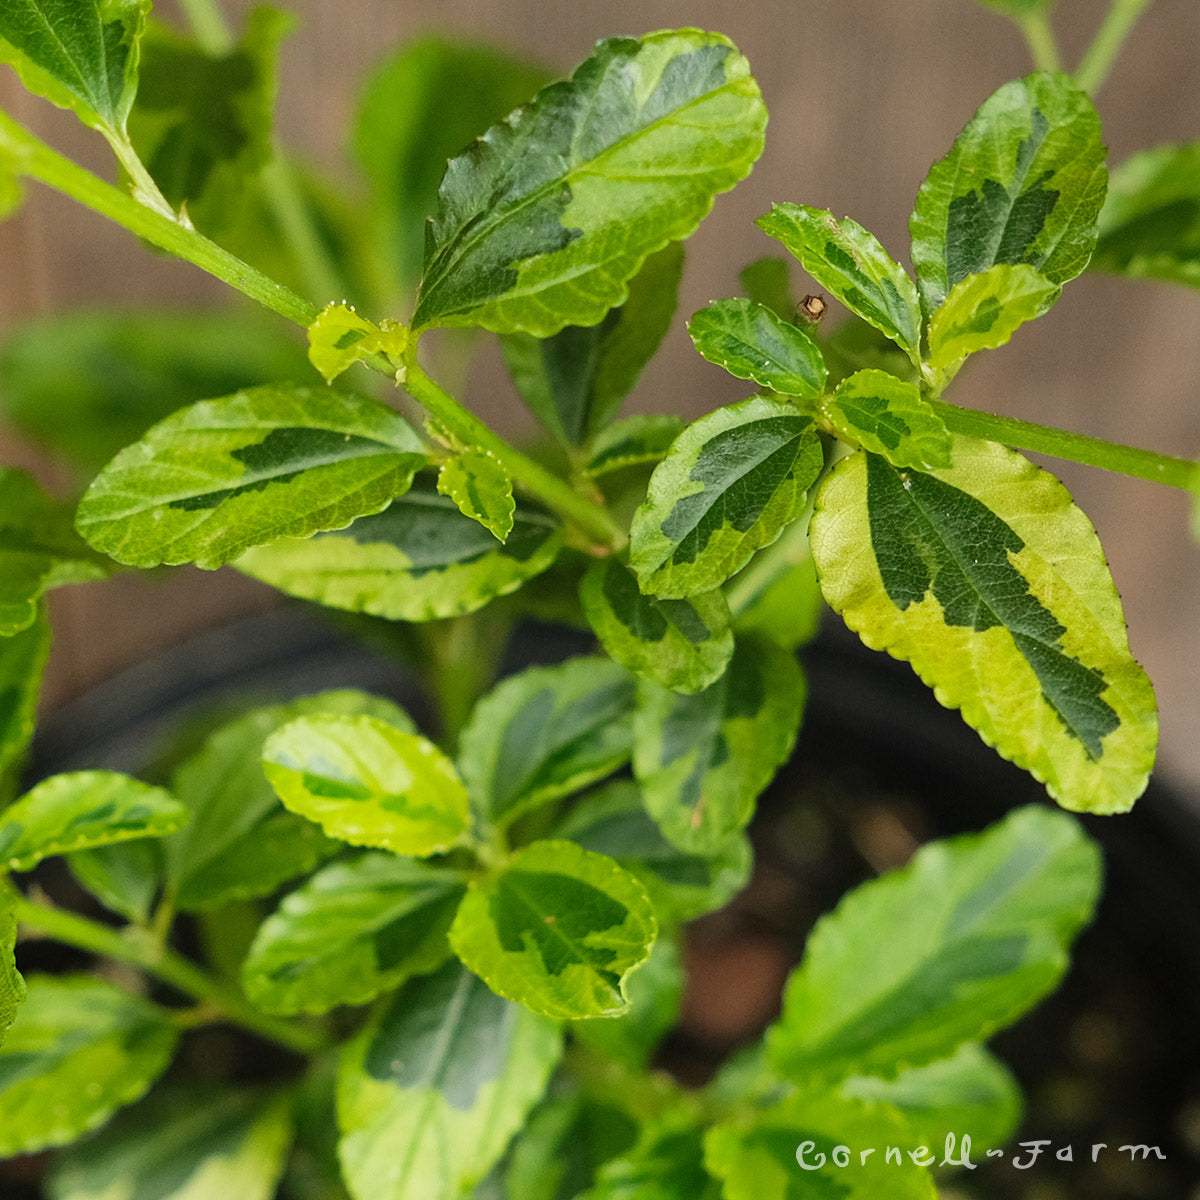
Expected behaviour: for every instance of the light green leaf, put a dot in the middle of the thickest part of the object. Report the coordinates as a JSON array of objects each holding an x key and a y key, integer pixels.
[
  {"x": 482, "y": 489},
  {"x": 78, "y": 1050},
  {"x": 224, "y": 475},
  {"x": 613, "y": 820},
  {"x": 575, "y": 380},
  {"x": 22, "y": 661},
  {"x": 339, "y": 338},
  {"x": 354, "y": 930},
  {"x": 12, "y": 189},
  {"x": 546, "y": 733},
  {"x": 849, "y": 263},
  {"x": 729, "y": 485},
  {"x": 1020, "y": 8},
  {"x": 958, "y": 944},
  {"x": 433, "y": 1089},
  {"x": 78, "y": 54},
  {"x": 667, "y": 1163},
  {"x": 887, "y": 416},
  {"x": 81, "y": 809},
  {"x": 703, "y": 760},
  {"x": 970, "y": 1095},
  {"x": 993, "y": 585},
  {"x": 202, "y": 120},
  {"x": 86, "y": 384},
  {"x": 368, "y": 783},
  {"x": 555, "y": 242},
  {"x": 419, "y": 106},
  {"x": 418, "y": 560},
  {"x": 750, "y": 341},
  {"x": 125, "y": 877},
  {"x": 39, "y": 550},
  {"x": 1023, "y": 183},
  {"x": 768, "y": 281},
  {"x": 12, "y": 985},
  {"x": 558, "y": 929},
  {"x": 182, "y": 1145},
  {"x": 983, "y": 311},
  {"x": 635, "y": 440},
  {"x": 1150, "y": 222},
  {"x": 791, "y": 1150},
  {"x": 777, "y": 597},
  {"x": 683, "y": 645}
]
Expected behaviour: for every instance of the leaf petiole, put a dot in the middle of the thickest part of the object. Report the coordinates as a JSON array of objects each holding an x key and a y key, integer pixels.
[{"x": 1106, "y": 45}]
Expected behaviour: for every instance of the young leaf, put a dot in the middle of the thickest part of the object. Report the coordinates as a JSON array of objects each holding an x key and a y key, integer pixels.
[
  {"x": 418, "y": 560},
  {"x": 433, "y": 1089},
  {"x": 81, "y": 809},
  {"x": 339, "y": 338},
  {"x": 887, "y": 416},
  {"x": 354, "y": 930},
  {"x": 849, "y": 263},
  {"x": 752, "y": 342},
  {"x": 240, "y": 842},
  {"x": 546, "y": 733},
  {"x": 555, "y": 242},
  {"x": 702, "y": 760},
  {"x": 635, "y": 440},
  {"x": 125, "y": 876},
  {"x": 983, "y": 311},
  {"x": 1023, "y": 183},
  {"x": 79, "y": 1049},
  {"x": 683, "y": 645},
  {"x": 368, "y": 783},
  {"x": 667, "y": 1163},
  {"x": 792, "y": 1150},
  {"x": 224, "y": 475},
  {"x": 574, "y": 381},
  {"x": 729, "y": 485},
  {"x": 12, "y": 985},
  {"x": 78, "y": 54},
  {"x": 993, "y": 585},
  {"x": 482, "y": 489},
  {"x": 1150, "y": 222},
  {"x": 558, "y": 929},
  {"x": 613, "y": 821},
  {"x": 39, "y": 550},
  {"x": 22, "y": 661},
  {"x": 183, "y": 1143},
  {"x": 958, "y": 944}
]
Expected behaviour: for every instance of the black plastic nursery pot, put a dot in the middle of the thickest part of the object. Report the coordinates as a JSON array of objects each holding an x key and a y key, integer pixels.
[{"x": 1112, "y": 1059}]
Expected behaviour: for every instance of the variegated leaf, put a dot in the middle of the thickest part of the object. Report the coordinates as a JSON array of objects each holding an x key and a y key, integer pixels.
[
  {"x": 887, "y": 416},
  {"x": 482, "y": 488},
  {"x": 340, "y": 337}
]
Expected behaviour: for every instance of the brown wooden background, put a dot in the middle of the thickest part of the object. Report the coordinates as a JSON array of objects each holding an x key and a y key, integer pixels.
[{"x": 864, "y": 95}]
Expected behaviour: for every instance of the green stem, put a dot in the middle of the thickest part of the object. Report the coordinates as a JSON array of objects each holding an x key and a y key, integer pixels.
[
  {"x": 28, "y": 155},
  {"x": 1076, "y": 447},
  {"x": 1100, "y": 55},
  {"x": 591, "y": 518},
  {"x": 1042, "y": 45},
  {"x": 144, "y": 188},
  {"x": 138, "y": 947}
]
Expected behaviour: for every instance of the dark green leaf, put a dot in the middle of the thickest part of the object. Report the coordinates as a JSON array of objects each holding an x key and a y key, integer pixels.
[
  {"x": 368, "y": 783},
  {"x": 574, "y": 381},
  {"x": 667, "y": 1163},
  {"x": 958, "y": 944},
  {"x": 887, "y": 416},
  {"x": 482, "y": 489},
  {"x": 558, "y": 929},
  {"x": 87, "y": 384},
  {"x": 729, "y": 485},
  {"x": 354, "y": 930},
  {"x": 417, "y": 560},
  {"x": 12, "y": 985},
  {"x": 39, "y": 550},
  {"x": 78, "y": 1050},
  {"x": 703, "y": 760},
  {"x": 635, "y": 440},
  {"x": 180, "y": 1144},
  {"x": 750, "y": 341},
  {"x": 768, "y": 281},
  {"x": 993, "y": 585},
  {"x": 81, "y": 809},
  {"x": 79, "y": 54},
  {"x": 421, "y": 105},
  {"x": 224, "y": 475},
  {"x": 682, "y": 644},
  {"x": 543, "y": 221},
  {"x": 849, "y": 263},
  {"x": 1150, "y": 223},
  {"x": 22, "y": 661},
  {"x": 435, "y": 1086},
  {"x": 546, "y": 733},
  {"x": 1023, "y": 183}
]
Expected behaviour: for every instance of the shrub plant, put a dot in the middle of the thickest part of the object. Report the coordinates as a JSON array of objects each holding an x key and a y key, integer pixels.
[{"x": 467, "y": 937}]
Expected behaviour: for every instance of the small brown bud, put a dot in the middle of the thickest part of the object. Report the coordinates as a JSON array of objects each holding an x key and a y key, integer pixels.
[{"x": 812, "y": 308}]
